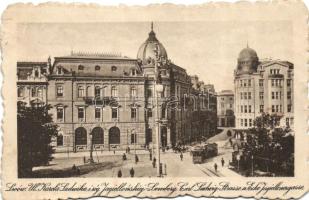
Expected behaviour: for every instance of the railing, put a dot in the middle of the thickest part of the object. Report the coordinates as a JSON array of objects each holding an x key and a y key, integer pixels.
[{"x": 99, "y": 100}]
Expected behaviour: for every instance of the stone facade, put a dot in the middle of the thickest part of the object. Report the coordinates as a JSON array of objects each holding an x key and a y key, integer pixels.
[
  {"x": 262, "y": 86},
  {"x": 107, "y": 100}
]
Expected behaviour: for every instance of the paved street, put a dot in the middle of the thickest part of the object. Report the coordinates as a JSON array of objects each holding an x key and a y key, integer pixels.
[{"x": 111, "y": 163}]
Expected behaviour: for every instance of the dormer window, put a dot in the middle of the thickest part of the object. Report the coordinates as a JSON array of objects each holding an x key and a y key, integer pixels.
[
  {"x": 133, "y": 72},
  {"x": 59, "y": 70},
  {"x": 36, "y": 73},
  {"x": 80, "y": 67},
  {"x": 97, "y": 68},
  {"x": 114, "y": 68}
]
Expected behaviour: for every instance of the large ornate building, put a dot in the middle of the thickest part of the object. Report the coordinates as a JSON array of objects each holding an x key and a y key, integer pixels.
[
  {"x": 107, "y": 100},
  {"x": 262, "y": 86}
]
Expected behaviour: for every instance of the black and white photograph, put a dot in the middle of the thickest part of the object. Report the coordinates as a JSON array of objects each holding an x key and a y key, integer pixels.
[{"x": 176, "y": 102}]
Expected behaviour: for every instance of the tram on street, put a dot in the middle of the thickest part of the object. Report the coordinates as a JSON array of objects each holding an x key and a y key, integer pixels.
[{"x": 201, "y": 153}]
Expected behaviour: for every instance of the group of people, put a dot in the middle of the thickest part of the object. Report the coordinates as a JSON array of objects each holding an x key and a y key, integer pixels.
[
  {"x": 222, "y": 163},
  {"x": 132, "y": 172}
]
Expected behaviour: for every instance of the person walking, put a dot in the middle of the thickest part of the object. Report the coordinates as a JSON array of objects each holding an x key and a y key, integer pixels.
[
  {"x": 132, "y": 172},
  {"x": 150, "y": 156},
  {"x": 216, "y": 167},
  {"x": 222, "y": 162},
  {"x": 181, "y": 156},
  {"x": 124, "y": 157},
  {"x": 119, "y": 173},
  {"x": 154, "y": 162},
  {"x": 136, "y": 159}
]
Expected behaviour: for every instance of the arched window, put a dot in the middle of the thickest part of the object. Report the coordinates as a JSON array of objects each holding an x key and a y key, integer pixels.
[
  {"x": 34, "y": 92},
  {"x": 114, "y": 91},
  {"x": 20, "y": 91},
  {"x": 40, "y": 92},
  {"x": 81, "y": 91},
  {"x": 114, "y": 68},
  {"x": 97, "y": 91},
  {"x": 97, "y": 135},
  {"x": 114, "y": 135},
  {"x": 80, "y": 136}
]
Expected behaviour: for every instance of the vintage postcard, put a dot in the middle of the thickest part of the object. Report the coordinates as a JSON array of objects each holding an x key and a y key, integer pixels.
[{"x": 155, "y": 101}]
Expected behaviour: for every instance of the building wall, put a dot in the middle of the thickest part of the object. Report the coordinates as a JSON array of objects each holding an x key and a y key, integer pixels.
[{"x": 225, "y": 109}]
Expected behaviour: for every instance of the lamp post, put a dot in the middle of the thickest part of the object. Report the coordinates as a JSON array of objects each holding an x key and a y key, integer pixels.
[
  {"x": 252, "y": 165},
  {"x": 91, "y": 148},
  {"x": 158, "y": 88}
]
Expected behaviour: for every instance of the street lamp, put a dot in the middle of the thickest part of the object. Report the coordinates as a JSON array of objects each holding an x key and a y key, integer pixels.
[
  {"x": 91, "y": 148},
  {"x": 158, "y": 90},
  {"x": 252, "y": 164}
]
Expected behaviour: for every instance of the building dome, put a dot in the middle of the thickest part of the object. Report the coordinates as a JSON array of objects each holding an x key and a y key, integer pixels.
[
  {"x": 247, "y": 61},
  {"x": 146, "y": 52}
]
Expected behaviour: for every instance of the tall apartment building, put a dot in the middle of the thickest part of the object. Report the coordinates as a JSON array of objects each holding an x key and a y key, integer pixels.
[
  {"x": 262, "y": 86},
  {"x": 225, "y": 108}
]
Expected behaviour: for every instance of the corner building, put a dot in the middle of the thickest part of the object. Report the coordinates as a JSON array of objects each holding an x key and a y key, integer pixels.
[
  {"x": 108, "y": 100},
  {"x": 262, "y": 86}
]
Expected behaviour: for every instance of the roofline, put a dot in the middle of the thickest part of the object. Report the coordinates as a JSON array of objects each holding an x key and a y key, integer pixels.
[{"x": 92, "y": 58}]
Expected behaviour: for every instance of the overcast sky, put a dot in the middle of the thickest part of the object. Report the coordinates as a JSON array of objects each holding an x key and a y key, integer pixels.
[{"x": 207, "y": 49}]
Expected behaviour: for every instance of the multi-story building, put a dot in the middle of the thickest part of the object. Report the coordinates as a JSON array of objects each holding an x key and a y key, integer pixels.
[
  {"x": 107, "y": 100},
  {"x": 32, "y": 83},
  {"x": 225, "y": 108},
  {"x": 262, "y": 87}
]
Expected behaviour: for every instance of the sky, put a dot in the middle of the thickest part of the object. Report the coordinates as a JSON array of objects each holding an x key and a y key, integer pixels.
[{"x": 208, "y": 49}]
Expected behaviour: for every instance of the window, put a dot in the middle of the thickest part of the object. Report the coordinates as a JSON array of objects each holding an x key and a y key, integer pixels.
[
  {"x": 249, "y": 95},
  {"x": 97, "y": 91},
  {"x": 261, "y": 95},
  {"x": 81, "y": 91},
  {"x": 289, "y": 95},
  {"x": 114, "y": 113},
  {"x": 241, "y": 122},
  {"x": 272, "y": 82},
  {"x": 249, "y": 109},
  {"x": 280, "y": 108},
  {"x": 246, "y": 122},
  {"x": 287, "y": 122},
  {"x": 59, "y": 70},
  {"x": 149, "y": 112},
  {"x": 250, "y": 122},
  {"x": 240, "y": 83},
  {"x": 97, "y": 113},
  {"x": 133, "y": 113},
  {"x": 277, "y": 95},
  {"x": 133, "y": 92},
  {"x": 288, "y": 83},
  {"x": 272, "y": 108},
  {"x": 249, "y": 83},
  {"x": 272, "y": 95},
  {"x": 277, "y": 108},
  {"x": 114, "y": 68},
  {"x": 241, "y": 109},
  {"x": 222, "y": 98},
  {"x": 133, "y": 72},
  {"x": 289, "y": 107},
  {"x": 34, "y": 92},
  {"x": 60, "y": 113},
  {"x": 80, "y": 67},
  {"x": 149, "y": 93},
  {"x": 97, "y": 68},
  {"x": 59, "y": 91},
  {"x": 261, "y": 82},
  {"x": 241, "y": 95},
  {"x": 81, "y": 113},
  {"x": 36, "y": 73},
  {"x": 20, "y": 91},
  {"x": 114, "y": 91},
  {"x": 40, "y": 92},
  {"x": 245, "y": 108},
  {"x": 245, "y": 83},
  {"x": 261, "y": 108},
  {"x": 60, "y": 140},
  {"x": 245, "y": 95},
  {"x": 133, "y": 138}
]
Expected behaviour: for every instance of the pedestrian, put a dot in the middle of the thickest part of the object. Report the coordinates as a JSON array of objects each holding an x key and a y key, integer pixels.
[
  {"x": 119, "y": 173},
  {"x": 124, "y": 157},
  {"x": 216, "y": 167},
  {"x": 114, "y": 151},
  {"x": 136, "y": 159},
  {"x": 132, "y": 172},
  {"x": 74, "y": 168},
  {"x": 150, "y": 156},
  {"x": 181, "y": 156},
  {"x": 165, "y": 169},
  {"x": 154, "y": 162},
  {"x": 78, "y": 171},
  {"x": 222, "y": 162},
  {"x": 128, "y": 149},
  {"x": 84, "y": 159}
]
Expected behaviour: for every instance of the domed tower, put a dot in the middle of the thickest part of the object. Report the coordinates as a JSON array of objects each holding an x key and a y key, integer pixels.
[
  {"x": 247, "y": 61},
  {"x": 146, "y": 53}
]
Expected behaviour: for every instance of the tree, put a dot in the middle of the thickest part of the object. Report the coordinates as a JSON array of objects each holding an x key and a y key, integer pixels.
[{"x": 35, "y": 131}]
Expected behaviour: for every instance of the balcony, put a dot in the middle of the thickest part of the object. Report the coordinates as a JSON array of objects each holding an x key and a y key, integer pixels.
[{"x": 100, "y": 101}]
